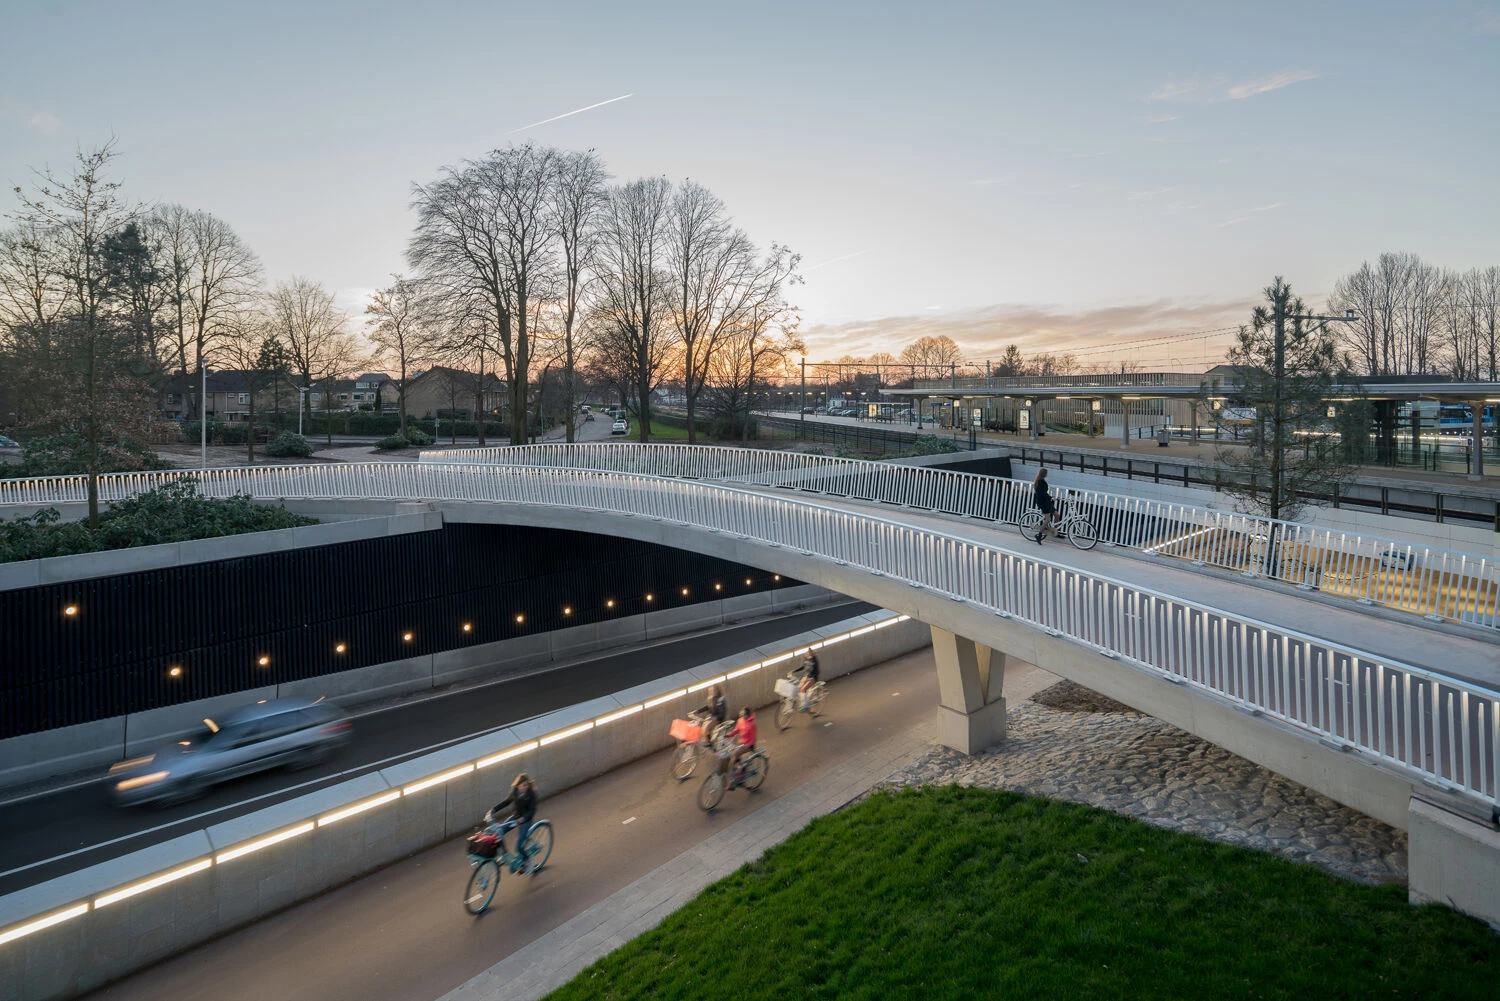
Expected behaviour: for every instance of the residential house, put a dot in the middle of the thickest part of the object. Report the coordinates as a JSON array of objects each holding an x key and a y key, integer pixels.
[
  {"x": 453, "y": 393},
  {"x": 228, "y": 398},
  {"x": 374, "y": 391}
]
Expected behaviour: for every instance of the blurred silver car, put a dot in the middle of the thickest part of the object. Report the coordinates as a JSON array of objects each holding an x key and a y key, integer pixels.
[
  {"x": 272, "y": 732},
  {"x": 8, "y": 442}
]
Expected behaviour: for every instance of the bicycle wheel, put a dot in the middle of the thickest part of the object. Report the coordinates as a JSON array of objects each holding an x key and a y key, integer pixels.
[
  {"x": 684, "y": 760},
  {"x": 538, "y": 848},
  {"x": 1082, "y": 533},
  {"x": 711, "y": 791},
  {"x": 1029, "y": 522},
  {"x": 815, "y": 698},
  {"x": 756, "y": 770},
  {"x": 784, "y": 713},
  {"x": 483, "y": 882}
]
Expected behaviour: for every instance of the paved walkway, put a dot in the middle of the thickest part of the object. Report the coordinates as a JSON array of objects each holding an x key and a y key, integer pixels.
[{"x": 562, "y": 953}]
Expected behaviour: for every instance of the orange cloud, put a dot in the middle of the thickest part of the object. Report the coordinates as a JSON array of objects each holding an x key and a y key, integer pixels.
[{"x": 984, "y": 333}]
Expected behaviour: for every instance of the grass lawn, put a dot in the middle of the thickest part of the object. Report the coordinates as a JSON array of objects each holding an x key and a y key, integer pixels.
[
  {"x": 966, "y": 893},
  {"x": 666, "y": 432}
]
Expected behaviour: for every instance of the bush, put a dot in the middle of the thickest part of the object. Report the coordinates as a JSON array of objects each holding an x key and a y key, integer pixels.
[
  {"x": 171, "y": 513},
  {"x": 931, "y": 444},
  {"x": 233, "y": 434},
  {"x": 392, "y": 442},
  {"x": 63, "y": 455},
  {"x": 416, "y": 436},
  {"x": 289, "y": 444}
]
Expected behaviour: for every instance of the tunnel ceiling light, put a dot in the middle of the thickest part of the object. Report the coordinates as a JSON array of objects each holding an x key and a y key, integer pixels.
[
  {"x": 610, "y": 603},
  {"x": 174, "y": 671},
  {"x": 71, "y": 610},
  {"x": 718, "y": 587},
  {"x": 650, "y": 597},
  {"x": 567, "y": 609},
  {"x": 776, "y": 577},
  {"x": 340, "y": 648},
  {"x": 408, "y": 637},
  {"x": 468, "y": 627},
  {"x": 264, "y": 661},
  {"x": 684, "y": 592},
  {"x": 520, "y": 619},
  {"x": 747, "y": 581}
]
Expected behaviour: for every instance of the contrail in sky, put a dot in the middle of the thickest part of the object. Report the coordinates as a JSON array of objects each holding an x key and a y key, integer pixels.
[
  {"x": 835, "y": 260},
  {"x": 578, "y": 111}
]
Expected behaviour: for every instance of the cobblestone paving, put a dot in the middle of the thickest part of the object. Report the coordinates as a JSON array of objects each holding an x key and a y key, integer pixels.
[{"x": 1140, "y": 767}]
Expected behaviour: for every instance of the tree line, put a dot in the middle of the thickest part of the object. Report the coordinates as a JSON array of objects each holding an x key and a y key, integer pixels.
[{"x": 527, "y": 262}]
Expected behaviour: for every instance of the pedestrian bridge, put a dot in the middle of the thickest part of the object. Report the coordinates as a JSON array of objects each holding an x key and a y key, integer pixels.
[{"x": 1294, "y": 685}]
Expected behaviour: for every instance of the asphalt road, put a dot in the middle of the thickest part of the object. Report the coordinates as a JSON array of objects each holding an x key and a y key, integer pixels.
[
  {"x": 401, "y": 933},
  {"x": 73, "y": 828}
]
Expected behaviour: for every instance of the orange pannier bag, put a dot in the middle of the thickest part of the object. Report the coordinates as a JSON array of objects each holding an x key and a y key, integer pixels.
[{"x": 685, "y": 731}]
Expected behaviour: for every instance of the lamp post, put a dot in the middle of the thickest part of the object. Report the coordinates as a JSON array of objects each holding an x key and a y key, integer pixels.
[
  {"x": 203, "y": 412},
  {"x": 301, "y": 394}
]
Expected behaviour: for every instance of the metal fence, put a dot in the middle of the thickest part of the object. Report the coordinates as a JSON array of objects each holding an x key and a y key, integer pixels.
[
  {"x": 1442, "y": 730},
  {"x": 1427, "y": 580}
]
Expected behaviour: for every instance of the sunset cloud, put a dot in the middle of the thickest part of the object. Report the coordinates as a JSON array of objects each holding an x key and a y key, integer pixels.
[{"x": 984, "y": 333}]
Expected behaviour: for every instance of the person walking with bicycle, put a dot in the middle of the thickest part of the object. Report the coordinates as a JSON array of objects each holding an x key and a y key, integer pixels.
[
  {"x": 522, "y": 803},
  {"x": 1041, "y": 495}
]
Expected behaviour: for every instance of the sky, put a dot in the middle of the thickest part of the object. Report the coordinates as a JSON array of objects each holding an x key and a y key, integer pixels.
[{"x": 1066, "y": 176}]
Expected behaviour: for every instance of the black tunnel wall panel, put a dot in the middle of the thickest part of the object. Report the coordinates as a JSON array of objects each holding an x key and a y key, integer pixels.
[{"x": 215, "y": 621}]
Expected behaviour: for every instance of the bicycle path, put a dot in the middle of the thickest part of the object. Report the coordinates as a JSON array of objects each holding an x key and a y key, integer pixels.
[{"x": 401, "y": 934}]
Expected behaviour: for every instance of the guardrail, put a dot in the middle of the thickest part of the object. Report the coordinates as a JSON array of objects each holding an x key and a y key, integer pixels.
[
  {"x": 1435, "y": 728},
  {"x": 1440, "y": 583}
]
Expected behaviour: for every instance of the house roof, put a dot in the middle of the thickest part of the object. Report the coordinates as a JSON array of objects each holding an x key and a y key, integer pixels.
[{"x": 468, "y": 380}]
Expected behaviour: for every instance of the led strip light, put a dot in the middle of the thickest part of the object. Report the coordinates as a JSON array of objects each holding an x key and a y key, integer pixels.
[{"x": 246, "y": 848}]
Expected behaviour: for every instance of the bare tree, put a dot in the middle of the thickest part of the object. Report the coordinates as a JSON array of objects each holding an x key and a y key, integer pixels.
[
  {"x": 578, "y": 199},
  {"x": 633, "y": 284},
  {"x": 224, "y": 278},
  {"x": 95, "y": 371},
  {"x": 483, "y": 237},
  {"x": 938, "y": 350},
  {"x": 246, "y": 342},
  {"x": 711, "y": 265},
  {"x": 401, "y": 327},
  {"x": 311, "y": 328}
]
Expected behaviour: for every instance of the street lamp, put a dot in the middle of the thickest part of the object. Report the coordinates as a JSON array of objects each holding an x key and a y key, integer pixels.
[{"x": 302, "y": 391}]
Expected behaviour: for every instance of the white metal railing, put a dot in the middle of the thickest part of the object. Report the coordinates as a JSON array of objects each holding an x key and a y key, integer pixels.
[
  {"x": 1435, "y": 728},
  {"x": 1428, "y": 580}
]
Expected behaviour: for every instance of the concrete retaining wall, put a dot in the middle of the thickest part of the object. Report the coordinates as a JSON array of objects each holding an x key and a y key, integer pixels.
[
  {"x": 1453, "y": 861},
  {"x": 203, "y": 884},
  {"x": 69, "y": 750}
]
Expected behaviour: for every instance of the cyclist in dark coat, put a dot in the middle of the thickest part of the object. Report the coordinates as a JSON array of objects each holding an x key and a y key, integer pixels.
[
  {"x": 522, "y": 801},
  {"x": 1041, "y": 495}
]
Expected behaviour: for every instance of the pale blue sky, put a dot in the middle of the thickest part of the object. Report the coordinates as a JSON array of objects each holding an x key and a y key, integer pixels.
[{"x": 928, "y": 160}]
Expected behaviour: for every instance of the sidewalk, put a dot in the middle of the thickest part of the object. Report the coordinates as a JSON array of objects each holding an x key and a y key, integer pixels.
[{"x": 558, "y": 956}]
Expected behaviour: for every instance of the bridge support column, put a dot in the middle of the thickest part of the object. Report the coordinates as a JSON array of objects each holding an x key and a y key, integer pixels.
[{"x": 971, "y": 714}]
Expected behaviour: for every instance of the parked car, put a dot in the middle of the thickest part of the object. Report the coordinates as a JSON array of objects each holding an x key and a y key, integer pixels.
[
  {"x": 620, "y": 428},
  {"x": 809, "y": 410},
  {"x": 273, "y": 732},
  {"x": 587, "y": 416},
  {"x": 8, "y": 442}
]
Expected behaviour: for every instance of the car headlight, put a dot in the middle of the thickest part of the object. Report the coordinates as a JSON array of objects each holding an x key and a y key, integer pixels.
[{"x": 125, "y": 785}]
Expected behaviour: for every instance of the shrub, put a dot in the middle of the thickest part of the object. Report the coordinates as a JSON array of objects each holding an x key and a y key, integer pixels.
[
  {"x": 391, "y": 442},
  {"x": 931, "y": 444},
  {"x": 233, "y": 434},
  {"x": 173, "y": 512},
  {"x": 288, "y": 444},
  {"x": 63, "y": 455},
  {"x": 416, "y": 436}
]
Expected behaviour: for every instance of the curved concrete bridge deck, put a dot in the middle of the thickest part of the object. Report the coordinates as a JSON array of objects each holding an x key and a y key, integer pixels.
[{"x": 1298, "y": 687}]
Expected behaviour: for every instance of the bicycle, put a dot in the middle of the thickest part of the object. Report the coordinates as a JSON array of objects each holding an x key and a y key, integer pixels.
[
  {"x": 487, "y": 857},
  {"x": 711, "y": 737},
  {"x": 1079, "y": 530},
  {"x": 793, "y": 701},
  {"x": 750, "y": 773}
]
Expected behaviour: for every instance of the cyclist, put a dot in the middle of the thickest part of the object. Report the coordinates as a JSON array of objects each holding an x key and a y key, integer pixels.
[
  {"x": 717, "y": 707},
  {"x": 809, "y": 677},
  {"x": 1042, "y": 496},
  {"x": 522, "y": 803},
  {"x": 744, "y": 736}
]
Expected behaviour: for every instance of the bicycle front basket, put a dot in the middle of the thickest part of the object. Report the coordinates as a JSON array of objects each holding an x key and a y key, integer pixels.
[{"x": 483, "y": 845}]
